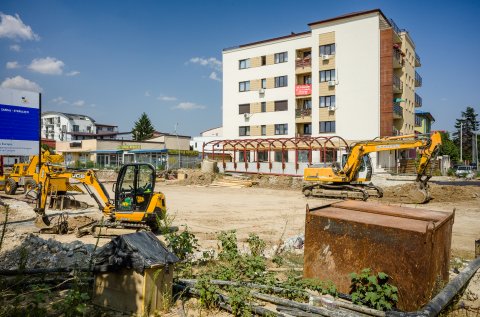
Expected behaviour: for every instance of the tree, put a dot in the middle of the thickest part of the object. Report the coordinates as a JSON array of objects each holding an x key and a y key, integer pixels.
[
  {"x": 143, "y": 128},
  {"x": 466, "y": 125},
  {"x": 449, "y": 148}
]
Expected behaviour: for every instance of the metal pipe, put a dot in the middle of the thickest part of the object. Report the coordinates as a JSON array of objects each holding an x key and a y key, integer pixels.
[{"x": 276, "y": 289}]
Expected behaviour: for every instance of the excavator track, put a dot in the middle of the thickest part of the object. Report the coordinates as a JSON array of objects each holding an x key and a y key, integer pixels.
[
  {"x": 347, "y": 191},
  {"x": 110, "y": 228}
]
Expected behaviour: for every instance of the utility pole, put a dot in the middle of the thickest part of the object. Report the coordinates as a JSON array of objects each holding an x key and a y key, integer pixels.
[
  {"x": 178, "y": 145},
  {"x": 461, "y": 141},
  {"x": 475, "y": 148}
]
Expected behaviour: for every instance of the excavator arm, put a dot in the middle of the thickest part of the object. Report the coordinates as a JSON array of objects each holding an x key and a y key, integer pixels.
[{"x": 95, "y": 189}]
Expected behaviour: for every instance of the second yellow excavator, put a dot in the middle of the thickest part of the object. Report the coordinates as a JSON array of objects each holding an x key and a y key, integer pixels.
[
  {"x": 352, "y": 180},
  {"x": 135, "y": 206}
]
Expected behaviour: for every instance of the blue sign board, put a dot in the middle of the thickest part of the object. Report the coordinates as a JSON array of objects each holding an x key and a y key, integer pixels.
[{"x": 19, "y": 122}]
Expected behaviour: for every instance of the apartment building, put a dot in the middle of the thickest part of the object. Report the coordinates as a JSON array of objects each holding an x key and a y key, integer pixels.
[
  {"x": 61, "y": 126},
  {"x": 353, "y": 76}
]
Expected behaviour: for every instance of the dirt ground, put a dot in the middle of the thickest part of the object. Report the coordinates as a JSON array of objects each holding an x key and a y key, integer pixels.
[{"x": 274, "y": 214}]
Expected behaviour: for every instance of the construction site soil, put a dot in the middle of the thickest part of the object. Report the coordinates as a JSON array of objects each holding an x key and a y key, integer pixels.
[{"x": 273, "y": 208}]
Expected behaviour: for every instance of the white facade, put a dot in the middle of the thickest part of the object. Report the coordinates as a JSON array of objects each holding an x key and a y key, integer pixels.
[
  {"x": 61, "y": 126},
  {"x": 357, "y": 88},
  {"x": 58, "y": 126}
]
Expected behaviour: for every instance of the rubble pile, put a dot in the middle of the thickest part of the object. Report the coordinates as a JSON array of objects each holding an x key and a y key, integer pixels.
[
  {"x": 35, "y": 252},
  {"x": 106, "y": 175},
  {"x": 196, "y": 177},
  {"x": 439, "y": 193},
  {"x": 278, "y": 182}
]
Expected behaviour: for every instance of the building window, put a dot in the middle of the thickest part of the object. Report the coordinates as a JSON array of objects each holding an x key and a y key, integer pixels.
[
  {"x": 281, "y": 129},
  {"x": 281, "y": 105},
  {"x": 244, "y": 130},
  {"x": 326, "y": 75},
  {"x": 281, "y": 81},
  {"x": 262, "y": 156},
  {"x": 244, "y": 86},
  {"x": 75, "y": 128},
  {"x": 245, "y": 108},
  {"x": 307, "y": 80},
  {"x": 263, "y": 106},
  {"x": 264, "y": 130},
  {"x": 244, "y": 63},
  {"x": 307, "y": 104},
  {"x": 303, "y": 156},
  {"x": 281, "y": 57},
  {"x": 264, "y": 60},
  {"x": 264, "y": 83},
  {"x": 327, "y": 126},
  {"x": 244, "y": 156},
  {"x": 307, "y": 128},
  {"x": 327, "y": 101},
  {"x": 327, "y": 49},
  {"x": 278, "y": 156}
]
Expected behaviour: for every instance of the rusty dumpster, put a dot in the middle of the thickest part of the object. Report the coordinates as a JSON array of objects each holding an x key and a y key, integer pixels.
[{"x": 409, "y": 244}]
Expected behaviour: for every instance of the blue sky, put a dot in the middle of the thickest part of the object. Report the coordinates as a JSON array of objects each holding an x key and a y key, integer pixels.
[{"x": 113, "y": 60}]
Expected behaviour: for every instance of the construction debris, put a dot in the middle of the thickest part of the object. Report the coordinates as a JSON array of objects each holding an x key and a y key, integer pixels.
[
  {"x": 36, "y": 252},
  {"x": 439, "y": 193}
]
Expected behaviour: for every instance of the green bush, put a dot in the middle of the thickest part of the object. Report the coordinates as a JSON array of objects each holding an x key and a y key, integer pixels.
[{"x": 373, "y": 290}]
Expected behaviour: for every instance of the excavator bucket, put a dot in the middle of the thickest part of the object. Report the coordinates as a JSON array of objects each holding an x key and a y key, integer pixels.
[
  {"x": 419, "y": 194},
  {"x": 42, "y": 222}
]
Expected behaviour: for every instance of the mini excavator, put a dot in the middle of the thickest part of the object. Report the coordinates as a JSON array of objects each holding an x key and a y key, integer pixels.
[
  {"x": 352, "y": 180},
  {"x": 136, "y": 205}
]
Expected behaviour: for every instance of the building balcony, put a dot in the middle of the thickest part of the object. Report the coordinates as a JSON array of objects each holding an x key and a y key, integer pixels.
[
  {"x": 303, "y": 90},
  {"x": 398, "y": 60},
  {"x": 417, "y": 60},
  {"x": 397, "y": 85},
  {"x": 397, "y": 111},
  {"x": 301, "y": 113},
  {"x": 396, "y": 32},
  {"x": 418, "y": 80},
  {"x": 418, "y": 101},
  {"x": 303, "y": 62}
]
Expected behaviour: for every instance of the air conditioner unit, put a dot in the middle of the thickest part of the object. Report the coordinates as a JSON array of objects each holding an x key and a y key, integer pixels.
[
  {"x": 261, "y": 91},
  {"x": 325, "y": 57},
  {"x": 331, "y": 83},
  {"x": 332, "y": 108},
  {"x": 246, "y": 116}
]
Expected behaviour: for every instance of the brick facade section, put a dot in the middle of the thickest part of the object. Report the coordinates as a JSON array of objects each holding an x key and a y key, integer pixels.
[{"x": 386, "y": 82}]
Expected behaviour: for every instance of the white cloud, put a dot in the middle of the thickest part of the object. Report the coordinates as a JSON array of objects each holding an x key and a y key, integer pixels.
[
  {"x": 214, "y": 76},
  {"x": 18, "y": 82},
  {"x": 73, "y": 73},
  {"x": 47, "y": 65},
  {"x": 167, "y": 98},
  {"x": 59, "y": 101},
  {"x": 147, "y": 93},
  {"x": 78, "y": 103},
  {"x": 12, "y": 27},
  {"x": 188, "y": 106},
  {"x": 15, "y": 47},
  {"x": 211, "y": 62},
  {"x": 12, "y": 65}
]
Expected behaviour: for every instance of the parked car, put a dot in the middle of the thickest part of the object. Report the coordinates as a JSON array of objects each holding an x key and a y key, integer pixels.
[{"x": 464, "y": 170}]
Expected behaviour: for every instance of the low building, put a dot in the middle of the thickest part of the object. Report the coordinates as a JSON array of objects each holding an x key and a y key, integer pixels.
[
  {"x": 423, "y": 122},
  {"x": 206, "y": 136},
  {"x": 164, "y": 151}
]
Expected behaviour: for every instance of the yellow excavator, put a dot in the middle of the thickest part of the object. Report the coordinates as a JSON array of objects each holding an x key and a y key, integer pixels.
[
  {"x": 25, "y": 174},
  {"x": 136, "y": 205},
  {"x": 352, "y": 180}
]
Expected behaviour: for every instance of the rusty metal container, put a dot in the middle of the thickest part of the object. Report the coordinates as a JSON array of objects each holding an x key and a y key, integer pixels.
[{"x": 411, "y": 245}]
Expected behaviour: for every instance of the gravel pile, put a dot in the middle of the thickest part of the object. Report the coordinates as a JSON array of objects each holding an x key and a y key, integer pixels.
[{"x": 35, "y": 252}]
